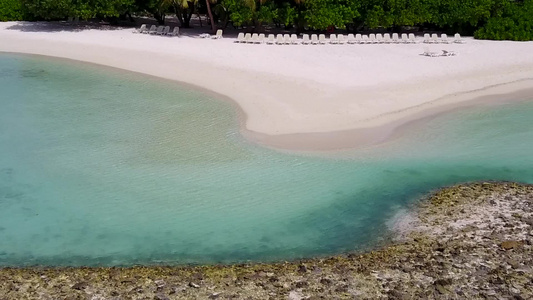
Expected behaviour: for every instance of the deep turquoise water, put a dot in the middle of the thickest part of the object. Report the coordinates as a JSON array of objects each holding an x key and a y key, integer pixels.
[{"x": 99, "y": 167}]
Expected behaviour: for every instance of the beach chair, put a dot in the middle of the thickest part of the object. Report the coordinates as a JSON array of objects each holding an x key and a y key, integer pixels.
[
  {"x": 287, "y": 39},
  {"x": 458, "y": 39},
  {"x": 365, "y": 39},
  {"x": 333, "y": 39},
  {"x": 427, "y": 38},
  {"x": 141, "y": 30},
  {"x": 350, "y": 39},
  {"x": 240, "y": 38},
  {"x": 429, "y": 53},
  {"x": 322, "y": 39},
  {"x": 248, "y": 37},
  {"x": 174, "y": 32},
  {"x": 434, "y": 38},
  {"x": 379, "y": 38},
  {"x": 261, "y": 38},
  {"x": 158, "y": 31},
  {"x": 152, "y": 30},
  {"x": 448, "y": 53},
  {"x": 358, "y": 38},
  {"x": 294, "y": 39},
  {"x": 305, "y": 39},
  {"x": 444, "y": 38},
  {"x": 340, "y": 39},
  {"x": 412, "y": 39},
  {"x": 218, "y": 35},
  {"x": 395, "y": 38},
  {"x": 404, "y": 38},
  {"x": 371, "y": 38},
  {"x": 386, "y": 38},
  {"x": 166, "y": 30},
  {"x": 254, "y": 39},
  {"x": 271, "y": 39},
  {"x": 279, "y": 39},
  {"x": 314, "y": 39}
]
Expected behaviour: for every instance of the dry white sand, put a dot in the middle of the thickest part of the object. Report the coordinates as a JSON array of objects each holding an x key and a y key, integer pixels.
[{"x": 305, "y": 92}]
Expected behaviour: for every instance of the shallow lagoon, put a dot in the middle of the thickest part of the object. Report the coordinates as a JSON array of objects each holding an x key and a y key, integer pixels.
[{"x": 100, "y": 167}]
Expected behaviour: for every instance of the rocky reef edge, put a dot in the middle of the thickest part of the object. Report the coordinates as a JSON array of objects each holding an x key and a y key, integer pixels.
[{"x": 469, "y": 241}]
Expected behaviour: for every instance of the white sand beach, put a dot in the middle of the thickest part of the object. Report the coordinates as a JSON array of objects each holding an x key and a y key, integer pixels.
[{"x": 301, "y": 96}]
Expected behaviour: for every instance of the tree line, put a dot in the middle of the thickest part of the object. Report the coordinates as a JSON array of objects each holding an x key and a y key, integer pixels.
[{"x": 485, "y": 19}]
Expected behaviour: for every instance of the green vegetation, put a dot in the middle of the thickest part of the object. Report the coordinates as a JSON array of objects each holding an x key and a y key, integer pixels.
[
  {"x": 486, "y": 19},
  {"x": 515, "y": 22},
  {"x": 12, "y": 10}
]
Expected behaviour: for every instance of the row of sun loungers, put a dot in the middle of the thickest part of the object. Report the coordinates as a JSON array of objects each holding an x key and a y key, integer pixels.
[
  {"x": 158, "y": 30},
  {"x": 314, "y": 39},
  {"x": 434, "y": 39}
]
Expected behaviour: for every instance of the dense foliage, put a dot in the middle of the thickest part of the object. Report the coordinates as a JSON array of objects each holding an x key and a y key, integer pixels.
[
  {"x": 514, "y": 23},
  {"x": 488, "y": 19},
  {"x": 12, "y": 10}
]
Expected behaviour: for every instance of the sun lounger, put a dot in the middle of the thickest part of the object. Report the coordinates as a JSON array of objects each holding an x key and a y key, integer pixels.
[
  {"x": 174, "y": 32},
  {"x": 429, "y": 53},
  {"x": 448, "y": 53},
  {"x": 152, "y": 30},
  {"x": 141, "y": 30},
  {"x": 350, "y": 39},
  {"x": 271, "y": 39},
  {"x": 444, "y": 38},
  {"x": 333, "y": 39},
  {"x": 279, "y": 39},
  {"x": 434, "y": 38},
  {"x": 305, "y": 39},
  {"x": 379, "y": 38},
  {"x": 158, "y": 31},
  {"x": 314, "y": 39},
  {"x": 287, "y": 39},
  {"x": 427, "y": 38},
  {"x": 248, "y": 37},
  {"x": 412, "y": 39},
  {"x": 255, "y": 38},
  {"x": 261, "y": 38},
  {"x": 358, "y": 38},
  {"x": 340, "y": 39},
  {"x": 240, "y": 38},
  {"x": 365, "y": 39},
  {"x": 372, "y": 38},
  {"x": 395, "y": 38},
  {"x": 218, "y": 35},
  {"x": 166, "y": 30},
  {"x": 322, "y": 39},
  {"x": 404, "y": 38},
  {"x": 294, "y": 39},
  {"x": 458, "y": 39}
]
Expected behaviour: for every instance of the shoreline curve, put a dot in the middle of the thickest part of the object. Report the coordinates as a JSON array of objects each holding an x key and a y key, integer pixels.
[{"x": 299, "y": 108}]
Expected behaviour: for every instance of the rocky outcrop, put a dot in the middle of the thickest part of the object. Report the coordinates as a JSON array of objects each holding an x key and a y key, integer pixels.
[{"x": 470, "y": 241}]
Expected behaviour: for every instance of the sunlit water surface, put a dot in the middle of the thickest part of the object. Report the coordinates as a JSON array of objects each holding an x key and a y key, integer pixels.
[{"x": 100, "y": 167}]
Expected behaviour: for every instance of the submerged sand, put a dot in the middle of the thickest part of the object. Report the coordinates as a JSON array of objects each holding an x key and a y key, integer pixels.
[{"x": 302, "y": 97}]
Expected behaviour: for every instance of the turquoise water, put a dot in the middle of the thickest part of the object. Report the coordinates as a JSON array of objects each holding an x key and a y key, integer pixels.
[{"x": 99, "y": 167}]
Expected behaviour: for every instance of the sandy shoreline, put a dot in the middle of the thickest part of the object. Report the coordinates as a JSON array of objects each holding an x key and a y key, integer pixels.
[{"x": 354, "y": 95}]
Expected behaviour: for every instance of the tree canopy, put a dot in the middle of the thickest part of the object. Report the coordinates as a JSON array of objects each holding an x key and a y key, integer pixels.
[{"x": 486, "y": 19}]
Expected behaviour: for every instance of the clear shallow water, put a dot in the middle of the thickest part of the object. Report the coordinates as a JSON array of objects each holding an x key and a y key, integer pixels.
[{"x": 99, "y": 167}]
